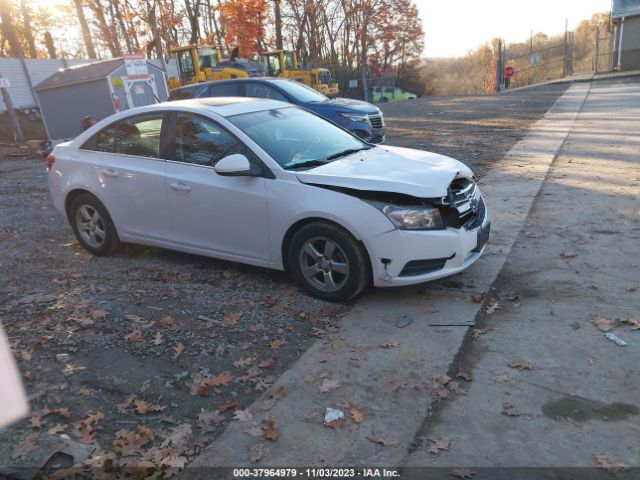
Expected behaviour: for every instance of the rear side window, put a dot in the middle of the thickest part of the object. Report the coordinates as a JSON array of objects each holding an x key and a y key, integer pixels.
[
  {"x": 138, "y": 135},
  {"x": 263, "y": 91},
  {"x": 224, "y": 90},
  {"x": 181, "y": 94},
  {"x": 201, "y": 141},
  {"x": 389, "y": 90}
]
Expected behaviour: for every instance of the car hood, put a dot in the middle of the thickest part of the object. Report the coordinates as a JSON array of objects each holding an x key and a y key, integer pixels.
[
  {"x": 346, "y": 105},
  {"x": 390, "y": 169}
]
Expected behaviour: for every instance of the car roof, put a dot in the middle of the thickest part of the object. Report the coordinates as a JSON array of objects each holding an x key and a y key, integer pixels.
[
  {"x": 199, "y": 85},
  {"x": 223, "y": 106}
]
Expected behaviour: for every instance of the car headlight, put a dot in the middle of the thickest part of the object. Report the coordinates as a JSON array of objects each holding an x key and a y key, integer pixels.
[
  {"x": 418, "y": 217},
  {"x": 355, "y": 117}
]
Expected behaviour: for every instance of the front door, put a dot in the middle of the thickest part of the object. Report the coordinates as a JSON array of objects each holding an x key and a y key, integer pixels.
[{"x": 222, "y": 215}]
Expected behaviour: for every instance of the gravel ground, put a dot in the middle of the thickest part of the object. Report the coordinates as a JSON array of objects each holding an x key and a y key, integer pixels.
[{"x": 177, "y": 343}]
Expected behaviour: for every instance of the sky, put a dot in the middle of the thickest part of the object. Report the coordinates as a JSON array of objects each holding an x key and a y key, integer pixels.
[{"x": 453, "y": 27}]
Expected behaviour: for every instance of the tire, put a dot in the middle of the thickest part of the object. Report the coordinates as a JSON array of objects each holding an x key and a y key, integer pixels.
[
  {"x": 92, "y": 225},
  {"x": 316, "y": 251}
]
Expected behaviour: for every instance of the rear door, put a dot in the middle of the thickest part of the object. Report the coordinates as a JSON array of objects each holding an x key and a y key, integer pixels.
[
  {"x": 221, "y": 215},
  {"x": 127, "y": 159}
]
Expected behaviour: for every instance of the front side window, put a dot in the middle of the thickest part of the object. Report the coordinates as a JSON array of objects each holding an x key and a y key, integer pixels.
[
  {"x": 138, "y": 136},
  {"x": 296, "y": 138},
  {"x": 201, "y": 141},
  {"x": 263, "y": 91},
  {"x": 185, "y": 61}
]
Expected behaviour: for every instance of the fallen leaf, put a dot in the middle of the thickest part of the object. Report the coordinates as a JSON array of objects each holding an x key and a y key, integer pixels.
[
  {"x": 275, "y": 344},
  {"x": 503, "y": 378},
  {"x": 202, "y": 384},
  {"x": 609, "y": 464},
  {"x": 231, "y": 318},
  {"x": 398, "y": 385},
  {"x": 376, "y": 437},
  {"x": 85, "y": 428},
  {"x": 243, "y": 362},
  {"x": 635, "y": 323},
  {"x": 71, "y": 368},
  {"x": 270, "y": 300},
  {"x": 442, "y": 379},
  {"x": 478, "y": 297},
  {"x": 463, "y": 374},
  {"x": 131, "y": 442},
  {"x": 207, "y": 420},
  {"x": 266, "y": 363},
  {"x": 178, "y": 348},
  {"x": 337, "y": 423},
  {"x": 56, "y": 429},
  {"x": 178, "y": 437},
  {"x": 158, "y": 339},
  {"x": 476, "y": 332},
  {"x": 167, "y": 322},
  {"x": 242, "y": 415},
  {"x": 604, "y": 324},
  {"x": 509, "y": 410},
  {"x": 390, "y": 344},
  {"x": 26, "y": 355},
  {"x": 309, "y": 377},
  {"x": 257, "y": 451},
  {"x": 437, "y": 444},
  {"x": 269, "y": 430},
  {"x": 357, "y": 415},
  {"x": 328, "y": 385},
  {"x": 521, "y": 365},
  {"x": 134, "y": 336},
  {"x": 568, "y": 255},
  {"x": 98, "y": 314},
  {"x": 492, "y": 308},
  {"x": 139, "y": 406},
  {"x": 226, "y": 405},
  {"x": 463, "y": 473},
  {"x": 273, "y": 397}
]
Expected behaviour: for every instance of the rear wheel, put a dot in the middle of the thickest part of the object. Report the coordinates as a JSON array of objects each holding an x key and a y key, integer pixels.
[
  {"x": 328, "y": 262},
  {"x": 92, "y": 225}
]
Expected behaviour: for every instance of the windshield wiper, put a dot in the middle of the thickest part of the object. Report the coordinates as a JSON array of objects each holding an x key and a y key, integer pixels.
[
  {"x": 346, "y": 152},
  {"x": 305, "y": 163}
]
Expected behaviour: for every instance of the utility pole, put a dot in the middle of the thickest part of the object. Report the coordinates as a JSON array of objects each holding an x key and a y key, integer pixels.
[
  {"x": 15, "y": 125},
  {"x": 499, "y": 67},
  {"x": 566, "y": 47}
]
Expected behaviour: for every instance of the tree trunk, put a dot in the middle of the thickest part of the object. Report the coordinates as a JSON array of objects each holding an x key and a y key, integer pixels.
[
  {"x": 123, "y": 28},
  {"x": 276, "y": 9},
  {"x": 8, "y": 30},
  {"x": 51, "y": 48},
  {"x": 28, "y": 33},
  {"x": 86, "y": 34}
]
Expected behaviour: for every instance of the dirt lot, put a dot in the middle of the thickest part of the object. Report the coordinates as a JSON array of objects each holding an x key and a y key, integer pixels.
[{"x": 175, "y": 345}]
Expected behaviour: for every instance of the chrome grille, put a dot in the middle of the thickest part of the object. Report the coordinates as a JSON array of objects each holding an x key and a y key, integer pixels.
[
  {"x": 464, "y": 206},
  {"x": 376, "y": 121}
]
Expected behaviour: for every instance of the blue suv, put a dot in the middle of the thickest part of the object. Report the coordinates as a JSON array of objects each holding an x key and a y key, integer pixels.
[{"x": 361, "y": 118}]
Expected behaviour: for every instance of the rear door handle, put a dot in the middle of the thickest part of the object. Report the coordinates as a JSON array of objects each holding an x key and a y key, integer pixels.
[
  {"x": 181, "y": 186},
  {"x": 110, "y": 172}
]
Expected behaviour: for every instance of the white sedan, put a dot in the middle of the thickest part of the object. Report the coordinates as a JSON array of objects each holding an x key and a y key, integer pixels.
[{"x": 269, "y": 184}]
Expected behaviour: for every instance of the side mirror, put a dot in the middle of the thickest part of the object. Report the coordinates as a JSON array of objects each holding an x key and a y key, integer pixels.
[{"x": 236, "y": 165}]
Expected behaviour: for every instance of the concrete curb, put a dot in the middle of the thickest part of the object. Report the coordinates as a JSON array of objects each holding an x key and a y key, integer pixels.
[{"x": 441, "y": 313}]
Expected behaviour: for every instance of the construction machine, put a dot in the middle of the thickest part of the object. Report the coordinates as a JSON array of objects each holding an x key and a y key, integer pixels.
[
  {"x": 284, "y": 63},
  {"x": 203, "y": 63}
]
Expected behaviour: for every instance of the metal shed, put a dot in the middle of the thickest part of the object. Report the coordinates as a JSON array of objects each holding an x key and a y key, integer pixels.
[{"x": 98, "y": 90}]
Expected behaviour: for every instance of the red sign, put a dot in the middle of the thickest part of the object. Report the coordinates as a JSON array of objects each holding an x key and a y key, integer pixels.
[
  {"x": 508, "y": 72},
  {"x": 136, "y": 66}
]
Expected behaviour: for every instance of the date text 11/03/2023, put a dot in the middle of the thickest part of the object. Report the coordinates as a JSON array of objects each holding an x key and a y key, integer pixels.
[{"x": 313, "y": 473}]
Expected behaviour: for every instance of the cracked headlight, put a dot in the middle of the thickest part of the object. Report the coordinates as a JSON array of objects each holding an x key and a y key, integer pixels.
[{"x": 417, "y": 217}]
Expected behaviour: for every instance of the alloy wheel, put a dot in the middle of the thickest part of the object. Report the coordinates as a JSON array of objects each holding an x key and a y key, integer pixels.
[
  {"x": 324, "y": 264},
  {"x": 90, "y": 226}
]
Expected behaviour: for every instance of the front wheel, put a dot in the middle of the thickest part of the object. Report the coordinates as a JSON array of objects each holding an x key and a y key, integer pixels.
[
  {"x": 328, "y": 262},
  {"x": 92, "y": 225}
]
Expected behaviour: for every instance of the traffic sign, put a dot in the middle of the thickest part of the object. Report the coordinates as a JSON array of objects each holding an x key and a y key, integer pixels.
[{"x": 508, "y": 72}]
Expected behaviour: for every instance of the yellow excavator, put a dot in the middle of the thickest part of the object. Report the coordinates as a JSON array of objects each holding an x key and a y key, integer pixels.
[
  {"x": 203, "y": 63},
  {"x": 284, "y": 63}
]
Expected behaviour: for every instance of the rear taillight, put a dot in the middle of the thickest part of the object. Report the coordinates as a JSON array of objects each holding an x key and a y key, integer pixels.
[{"x": 51, "y": 158}]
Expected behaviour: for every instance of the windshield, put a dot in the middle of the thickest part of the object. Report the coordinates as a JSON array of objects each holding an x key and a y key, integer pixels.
[
  {"x": 300, "y": 92},
  {"x": 296, "y": 138}
]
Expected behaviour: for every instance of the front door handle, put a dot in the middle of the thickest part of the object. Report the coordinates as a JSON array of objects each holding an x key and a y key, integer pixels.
[
  {"x": 180, "y": 186},
  {"x": 109, "y": 172}
]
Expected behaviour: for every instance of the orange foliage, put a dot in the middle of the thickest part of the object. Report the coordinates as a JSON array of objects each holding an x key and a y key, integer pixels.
[{"x": 243, "y": 23}]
